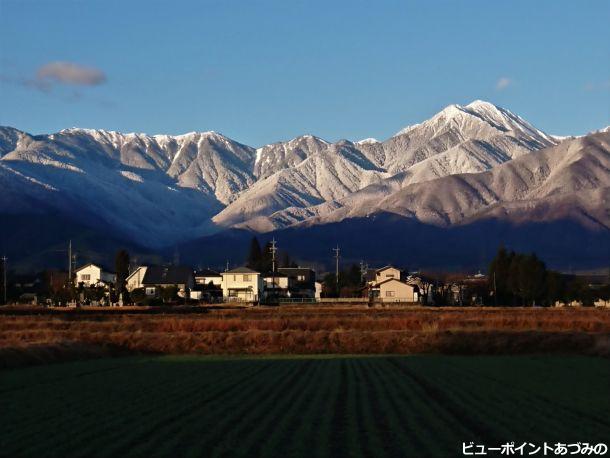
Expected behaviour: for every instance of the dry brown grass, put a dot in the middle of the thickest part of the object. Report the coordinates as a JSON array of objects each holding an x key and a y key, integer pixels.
[{"x": 28, "y": 337}]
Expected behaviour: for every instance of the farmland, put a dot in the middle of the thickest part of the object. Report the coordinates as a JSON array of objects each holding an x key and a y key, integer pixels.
[
  {"x": 300, "y": 406},
  {"x": 34, "y": 336}
]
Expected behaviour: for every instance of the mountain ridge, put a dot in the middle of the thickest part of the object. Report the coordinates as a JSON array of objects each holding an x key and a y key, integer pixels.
[{"x": 464, "y": 164}]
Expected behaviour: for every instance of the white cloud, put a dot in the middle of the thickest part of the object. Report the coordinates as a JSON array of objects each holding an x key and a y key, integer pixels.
[
  {"x": 70, "y": 73},
  {"x": 503, "y": 83}
]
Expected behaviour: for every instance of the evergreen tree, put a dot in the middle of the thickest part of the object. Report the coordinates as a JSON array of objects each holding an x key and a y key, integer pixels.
[
  {"x": 254, "y": 256},
  {"x": 121, "y": 266},
  {"x": 516, "y": 278},
  {"x": 499, "y": 275},
  {"x": 266, "y": 264},
  {"x": 285, "y": 260},
  {"x": 554, "y": 288},
  {"x": 533, "y": 276}
]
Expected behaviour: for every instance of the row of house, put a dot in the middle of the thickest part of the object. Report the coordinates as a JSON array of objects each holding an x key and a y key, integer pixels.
[
  {"x": 387, "y": 284},
  {"x": 241, "y": 284}
]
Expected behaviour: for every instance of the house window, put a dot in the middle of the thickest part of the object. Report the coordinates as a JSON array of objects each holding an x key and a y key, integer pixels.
[
  {"x": 246, "y": 277},
  {"x": 300, "y": 277},
  {"x": 234, "y": 277},
  {"x": 390, "y": 293},
  {"x": 150, "y": 291},
  {"x": 85, "y": 277},
  {"x": 389, "y": 275}
]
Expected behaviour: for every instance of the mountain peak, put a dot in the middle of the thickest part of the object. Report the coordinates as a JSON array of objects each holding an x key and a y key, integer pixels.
[
  {"x": 481, "y": 104},
  {"x": 476, "y": 107}
]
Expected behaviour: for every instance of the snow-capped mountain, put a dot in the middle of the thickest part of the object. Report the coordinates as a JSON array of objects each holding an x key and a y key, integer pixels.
[
  {"x": 154, "y": 189},
  {"x": 459, "y": 139},
  {"x": 282, "y": 155},
  {"x": 463, "y": 163},
  {"x": 570, "y": 180}
]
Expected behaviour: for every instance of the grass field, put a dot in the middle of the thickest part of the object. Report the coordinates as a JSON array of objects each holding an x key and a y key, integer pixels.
[
  {"x": 39, "y": 336},
  {"x": 300, "y": 406}
]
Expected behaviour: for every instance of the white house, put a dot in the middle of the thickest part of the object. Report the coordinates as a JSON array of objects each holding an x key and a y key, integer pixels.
[
  {"x": 395, "y": 290},
  {"x": 242, "y": 284},
  {"x": 153, "y": 277},
  {"x": 207, "y": 276},
  {"x": 387, "y": 272},
  {"x": 318, "y": 290},
  {"x": 136, "y": 278},
  {"x": 92, "y": 274},
  {"x": 276, "y": 283}
]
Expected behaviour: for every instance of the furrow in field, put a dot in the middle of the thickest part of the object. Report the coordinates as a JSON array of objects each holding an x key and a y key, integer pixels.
[
  {"x": 279, "y": 423},
  {"x": 541, "y": 382},
  {"x": 190, "y": 411},
  {"x": 64, "y": 407},
  {"x": 194, "y": 386},
  {"x": 93, "y": 430},
  {"x": 339, "y": 423},
  {"x": 523, "y": 407},
  {"x": 300, "y": 434},
  {"x": 357, "y": 434},
  {"x": 224, "y": 419},
  {"x": 419, "y": 417},
  {"x": 458, "y": 405},
  {"x": 247, "y": 438},
  {"x": 319, "y": 437},
  {"x": 369, "y": 430},
  {"x": 390, "y": 430},
  {"x": 190, "y": 391}
]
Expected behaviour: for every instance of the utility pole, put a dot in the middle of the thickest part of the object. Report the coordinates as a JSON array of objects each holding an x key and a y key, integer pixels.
[
  {"x": 337, "y": 250},
  {"x": 273, "y": 250},
  {"x": 495, "y": 291},
  {"x": 69, "y": 263},
  {"x": 4, "y": 259},
  {"x": 363, "y": 268}
]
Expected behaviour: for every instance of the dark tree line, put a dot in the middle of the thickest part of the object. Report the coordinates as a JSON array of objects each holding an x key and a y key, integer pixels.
[
  {"x": 350, "y": 283},
  {"x": 522, "y": 279}
]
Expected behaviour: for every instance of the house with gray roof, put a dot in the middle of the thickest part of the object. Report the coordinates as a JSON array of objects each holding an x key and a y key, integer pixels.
[{"x": 242, "y": 284}]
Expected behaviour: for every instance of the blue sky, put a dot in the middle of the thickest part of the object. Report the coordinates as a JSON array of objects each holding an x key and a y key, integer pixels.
[{"x": 263, "y": 71}]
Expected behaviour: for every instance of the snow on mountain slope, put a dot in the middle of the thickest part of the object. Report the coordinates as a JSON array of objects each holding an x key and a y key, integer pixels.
[
  {"x": 329, "y": 174},
  {"x": 206, "y": 161},
  {"x": 9, "y": 138},
  {"x": 160, "y": 189},
  {"x": 459, "y": 139},
  {"x": 146, "y": 188},
  {"x": 497, "y": 128},
  {"x": 278, "y": 156},
  {"x": 213, "y": 164},
  {"x": 571, "y": 179},
  {"x": 367, "y": 141}
]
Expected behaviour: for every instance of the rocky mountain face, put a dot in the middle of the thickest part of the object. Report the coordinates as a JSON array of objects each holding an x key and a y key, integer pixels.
[
  {"x": 152, "y": 189},
  {"x": 569, "y": 180},
  {"x": 468, "y": 139},
  {"x": 465, "y": 164}
]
